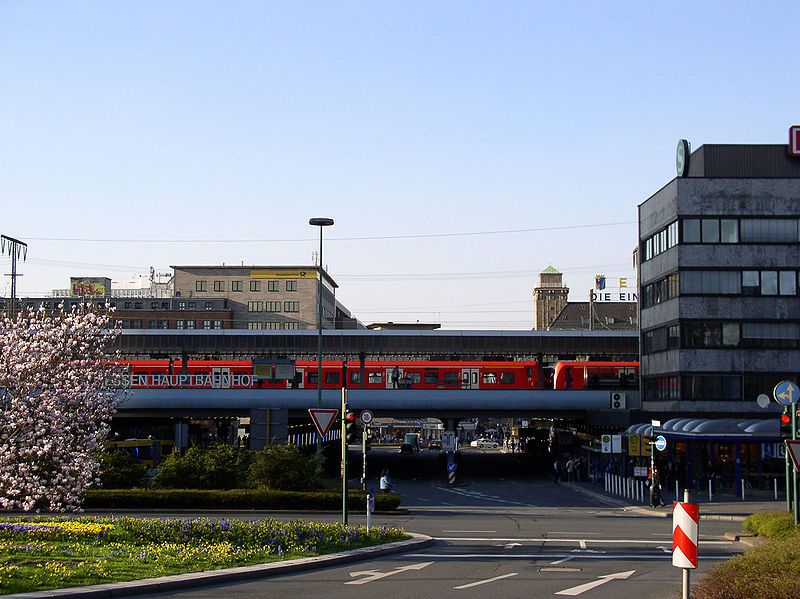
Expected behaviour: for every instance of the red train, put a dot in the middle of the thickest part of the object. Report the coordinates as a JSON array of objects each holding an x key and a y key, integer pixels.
[{"x": 242, "y": 374}]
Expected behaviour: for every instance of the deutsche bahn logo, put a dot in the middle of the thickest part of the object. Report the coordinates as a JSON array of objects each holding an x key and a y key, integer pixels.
[
  {"x": 685, "y": 517},
  {"x": 794, "y": 141}
]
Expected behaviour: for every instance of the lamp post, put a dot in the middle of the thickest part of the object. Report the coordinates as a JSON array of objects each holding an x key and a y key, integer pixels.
[{"x": 321, "y": 223}]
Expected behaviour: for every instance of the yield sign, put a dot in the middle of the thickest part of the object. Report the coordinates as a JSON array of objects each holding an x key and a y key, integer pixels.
[
  {"x": 322, "y": 419},
  {"x": 793, "y": 447}
]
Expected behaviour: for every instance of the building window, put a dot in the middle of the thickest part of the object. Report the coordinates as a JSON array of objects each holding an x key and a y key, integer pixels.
[
  {"x": 769, "y": 230},
  {"x": 207, "y": 324},
  {"x": 291, "y": 306},
  {"x": 190, "y": 324},
  {"x": 127, "y": 305},
  {"x": 135, "y": 324},
  {"x": 292, "y": 326},
  {"x": 165, "y": 305},
  {"x": 272, "y": 306},
  {"x": 729, "y": 230},
  {"x": 273, "y": 285},
  {"x": 710, "y": 230},
  {"x": 200, "y": 285},
  {"x": 273, "y": 326},
  {"x": 291, "y": 285},
  {"x": 255, "y": 285},
  {"x": 154, "y": 305},
  {"x": 788, "y": 282},
  {"x": 769, "y": 282},
  {"x": 750, "y": 282},
  {"x": 236, "y": 285},
  {"x": 191, "y": 305},
  {"x": 219, "y": 285},
  {"x": 217, "y": 324},
  {"x": 705, "y": 387},
  {"x": 180, "y": 324},
  {"x": 209, "y": 305},
  {"x": 255, "y": 326},
  {"x": 255, "y": 306},
  {"x": 691, "y": 230}
]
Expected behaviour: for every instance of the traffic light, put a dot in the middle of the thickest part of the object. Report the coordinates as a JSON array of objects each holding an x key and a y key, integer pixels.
[
  {"x": 351, "y": 427},
  {"x": 786, "y": 424}
]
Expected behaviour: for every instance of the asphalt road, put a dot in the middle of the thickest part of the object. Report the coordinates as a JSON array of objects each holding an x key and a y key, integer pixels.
[{"x": 519, "y": 536}]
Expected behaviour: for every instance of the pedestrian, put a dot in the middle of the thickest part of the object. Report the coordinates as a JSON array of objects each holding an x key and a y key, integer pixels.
[
  {"x": 395, "y": 377},
  {"x": 655, "y": 490},
  {"x": 578, "y": 469},
  {"x": 571, "y": 470},
  {"x": 556, "y": 471},
  {"x": 386, "y": 481}
]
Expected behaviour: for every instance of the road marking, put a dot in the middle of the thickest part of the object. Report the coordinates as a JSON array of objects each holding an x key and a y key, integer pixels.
[
  {"x": 561, "y": 561},
  {"x": 665, "y": 549},
  {"x": 537, "y": 556},
  {"x": 580, "y": 589},
  {"x": 559, "y": 569},
  {"x": 478, "y": 495},
  {"x": 488, "y": 580},
  {"x": 423, "y": 499},
  {"x": 470, "y": 531},
  {"x": 373, "y": 575},
  {"x": 552, "y": 540},
  {"x": 583, "y": 544},
  {"x": 572, "y": 532}
]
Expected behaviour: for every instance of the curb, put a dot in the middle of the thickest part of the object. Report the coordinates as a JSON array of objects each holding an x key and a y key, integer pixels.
[{"x": 209, "y": 577}]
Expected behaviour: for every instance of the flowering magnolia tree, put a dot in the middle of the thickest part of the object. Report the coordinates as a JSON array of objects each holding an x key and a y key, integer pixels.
[{"x": 58, "y": 391}]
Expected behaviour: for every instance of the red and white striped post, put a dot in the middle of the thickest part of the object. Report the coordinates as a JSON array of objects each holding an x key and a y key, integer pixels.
[{"x": 685, "y": 519}]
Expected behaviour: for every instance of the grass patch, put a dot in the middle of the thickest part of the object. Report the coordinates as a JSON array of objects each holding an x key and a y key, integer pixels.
[
  {"x": 49, "y": 553},
  {"x": 771, "y": 571}
]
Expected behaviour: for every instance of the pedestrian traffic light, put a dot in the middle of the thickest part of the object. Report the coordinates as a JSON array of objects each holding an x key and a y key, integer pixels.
[
  {"x": 351, "y": 427},
  {"x": 786, "y": 424}
]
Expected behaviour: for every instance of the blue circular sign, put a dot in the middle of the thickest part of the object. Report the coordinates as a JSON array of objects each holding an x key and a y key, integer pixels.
[
  {"x": 451, "y": 467},
  {"x": 661, "y": 443},
  {"x": 786, "y": 393}
]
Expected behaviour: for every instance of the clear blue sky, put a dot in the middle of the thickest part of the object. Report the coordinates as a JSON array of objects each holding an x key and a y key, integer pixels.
[{"x": 189, "y": 125}]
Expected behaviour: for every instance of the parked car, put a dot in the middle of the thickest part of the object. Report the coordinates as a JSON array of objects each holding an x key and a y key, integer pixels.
[
  {"x": 483, "y": 442},
  {"x": 410, "y": 443},
  {"x": 435, "y": 444}
]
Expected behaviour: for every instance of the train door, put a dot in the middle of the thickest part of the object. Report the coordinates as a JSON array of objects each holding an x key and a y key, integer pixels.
[
  {"x": 469, "y": 378},
  {"x": 299, "y": 381},
  {"x": 221, "y": 378},
  {"x": 390, "y": 377}
]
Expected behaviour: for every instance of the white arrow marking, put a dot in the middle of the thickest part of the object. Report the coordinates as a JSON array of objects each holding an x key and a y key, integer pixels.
[
  {"x": 474, "y": 584},
  {"x": 595, "y": 583},
  {"x": 373, "y": 575},
  {"x": 583, "y": 544},
  {"x": 665, "y": 549},
  {"x": 510, "y": 545}
]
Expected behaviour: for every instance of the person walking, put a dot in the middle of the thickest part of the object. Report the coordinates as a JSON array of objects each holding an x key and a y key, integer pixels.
[
  {"x": 571, "y": 470},
  {"x": 556, "y": 471},
  {"x": 655, "y": 490},
  {"x": 386, "y": 481}
]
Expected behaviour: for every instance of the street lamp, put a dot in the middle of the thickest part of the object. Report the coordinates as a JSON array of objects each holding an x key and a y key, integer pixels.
[{"x": 321, "y": 223}]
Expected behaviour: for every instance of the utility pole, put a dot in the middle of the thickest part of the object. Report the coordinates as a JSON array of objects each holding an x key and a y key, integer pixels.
[{"x": 15, "y": 249}]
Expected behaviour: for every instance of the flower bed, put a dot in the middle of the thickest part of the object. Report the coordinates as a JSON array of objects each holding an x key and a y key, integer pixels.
[{"x": 39, "y": 553}]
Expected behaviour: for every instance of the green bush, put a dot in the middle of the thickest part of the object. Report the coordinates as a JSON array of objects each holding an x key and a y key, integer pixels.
[
  {"x": 241, "y": 499},
  {"x": 218, "y": 467},
  {"x": 773, "y": 525},
  {"x": 283, "y": 467},
  {"x": 120, "y": 470}
]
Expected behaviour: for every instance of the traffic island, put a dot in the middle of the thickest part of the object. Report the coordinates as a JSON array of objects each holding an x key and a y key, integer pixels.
[{"x": 126, "y": 556}]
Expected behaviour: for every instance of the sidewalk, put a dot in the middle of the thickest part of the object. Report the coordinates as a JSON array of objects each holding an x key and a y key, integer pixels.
[{"x": 722, "y": 507}]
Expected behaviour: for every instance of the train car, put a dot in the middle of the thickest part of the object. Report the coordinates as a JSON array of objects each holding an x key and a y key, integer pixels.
[
  {"x": 595, "y": 375},
  {"x": 200, "y": 374}
]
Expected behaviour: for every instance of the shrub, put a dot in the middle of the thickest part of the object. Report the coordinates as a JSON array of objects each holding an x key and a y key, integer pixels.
[
  {"x": 244, "y": 499},
  {"x": 773, "y": 525},
  {"x": 218, "y": 467},
  {"x": 120, "y": 470},
  {"x": 283, "y": 467}
]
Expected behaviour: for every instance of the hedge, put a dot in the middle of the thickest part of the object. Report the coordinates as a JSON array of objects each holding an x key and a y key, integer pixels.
[{"x": 237, "y": 499}]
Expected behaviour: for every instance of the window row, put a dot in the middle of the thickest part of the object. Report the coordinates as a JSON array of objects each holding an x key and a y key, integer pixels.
[
  {"x": 219, "y": 285},
  {"x": 273, "y": 326},
  {"x": 722, "y": 335},
  {"x": 722, "y": 230},
  {"x": 661, "y": 241},
  {"x": 137, "y": 323},
  {"x": 660, "y": 291},
  {"x": 257, "y": 306},
  {"x": 738, "y": 282},
  {"x": 711, "y": 387}
]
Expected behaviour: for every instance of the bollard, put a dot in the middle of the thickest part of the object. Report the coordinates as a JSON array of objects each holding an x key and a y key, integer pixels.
[
  {"x": 709, "y": 490},
  {"x": 605, "y": 481},
  {"x": 370, "y": 506},
  {"x": 676, "y": 491},
  {"x": 775, "y": 485},
  {"x": 743, "y": 489}
]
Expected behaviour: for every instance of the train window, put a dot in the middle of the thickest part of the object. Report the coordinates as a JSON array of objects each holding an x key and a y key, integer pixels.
[
  {"x": 529, "y": 372},
  {"x": 507, "y": 378},
  {"x": 413, "y": 377},
  {"x": 431, "y": 377},
  {"x": 375, "y": 377},
  {"x": 312, "y": 378},
  {"x": 355, "y": 378},
  {"x": 452, "y": 378},
  {"x": 489, "y": 378},
  {"x": 331, "y": 378}
]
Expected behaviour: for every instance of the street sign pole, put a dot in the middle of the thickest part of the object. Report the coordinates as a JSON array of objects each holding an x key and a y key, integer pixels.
[
  {"x": 794, "y": 473},
  {"x": 344, "y": 456},
  {"x": 364, "y": 458}
]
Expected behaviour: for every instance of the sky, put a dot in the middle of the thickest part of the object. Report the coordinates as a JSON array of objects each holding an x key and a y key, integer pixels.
[{"x": 460, "y": 147}]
